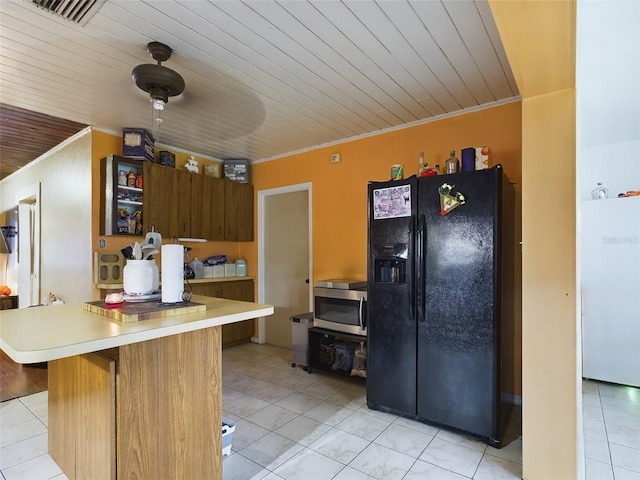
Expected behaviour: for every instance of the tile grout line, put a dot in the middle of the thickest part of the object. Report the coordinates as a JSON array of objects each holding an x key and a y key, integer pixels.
[{"x": 606, "y": 433}]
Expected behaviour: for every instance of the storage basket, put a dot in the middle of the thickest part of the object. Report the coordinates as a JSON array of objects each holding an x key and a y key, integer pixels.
[
  {"x": 344, "y": 356},
  {"x": 327, "y": 350}
]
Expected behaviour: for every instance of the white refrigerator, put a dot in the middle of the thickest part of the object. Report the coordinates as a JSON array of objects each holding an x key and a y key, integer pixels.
[{"x": 610, "y": 255}]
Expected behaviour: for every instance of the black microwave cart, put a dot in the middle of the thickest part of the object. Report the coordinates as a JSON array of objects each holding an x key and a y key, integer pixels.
[{"x": 337, "y": 352}]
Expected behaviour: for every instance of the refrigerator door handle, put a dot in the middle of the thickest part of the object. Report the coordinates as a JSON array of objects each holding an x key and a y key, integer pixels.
[
  {"x": 421, "y": 273},
  {"x": 410, "y": 288}
]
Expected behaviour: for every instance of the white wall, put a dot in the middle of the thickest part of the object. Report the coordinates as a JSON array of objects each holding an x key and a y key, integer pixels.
[
  {"x": 608, "y": 151},
  {"x": 608, "y": 108},
  {"x": 64, "y": 174}
]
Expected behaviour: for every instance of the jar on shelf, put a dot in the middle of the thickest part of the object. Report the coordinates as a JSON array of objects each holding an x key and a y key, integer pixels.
[
  {"x": 122, "y": 178},
  {"x": 131, "y": 179},
  {"x": 600, "y": 192}
]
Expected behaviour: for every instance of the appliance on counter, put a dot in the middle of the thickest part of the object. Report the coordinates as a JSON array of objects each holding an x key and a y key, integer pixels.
[
  {"x": 610, "y": 300},
  {"x": 440, "y": 300},
  {"x": 340, "y": 305}
]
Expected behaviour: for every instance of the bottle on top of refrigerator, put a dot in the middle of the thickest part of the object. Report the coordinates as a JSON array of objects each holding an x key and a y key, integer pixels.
[
  {"x": 421, "y": 165},
  {"x": 452, "y": 165}
]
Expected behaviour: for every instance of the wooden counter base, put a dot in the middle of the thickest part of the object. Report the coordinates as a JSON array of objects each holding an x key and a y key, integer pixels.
[{"x": 148, "y": 410}]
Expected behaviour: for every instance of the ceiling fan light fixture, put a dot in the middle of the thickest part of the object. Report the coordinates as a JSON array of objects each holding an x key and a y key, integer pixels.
[
  {"x": 160, "y": 82},
  {"x": 158, "y": 103}
]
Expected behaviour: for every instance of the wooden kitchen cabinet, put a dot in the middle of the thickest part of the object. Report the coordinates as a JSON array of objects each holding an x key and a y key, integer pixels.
[
  {"x": 185, "y": 205},
  {"x": 121, "y": 196},
  {"x": 238, "y": 212},
  {"x": 148, "y": 410},
  {"x": 234, "y": 333},
  {"x": 161, "y": 192},
  {"x": 179, "y": 203},
  {"x": 207, "y": 207},
  {"x": 83, "y": 446}
]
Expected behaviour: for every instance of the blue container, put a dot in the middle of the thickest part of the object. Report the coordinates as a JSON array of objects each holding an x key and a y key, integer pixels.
[{"x": 468, "y": 159}]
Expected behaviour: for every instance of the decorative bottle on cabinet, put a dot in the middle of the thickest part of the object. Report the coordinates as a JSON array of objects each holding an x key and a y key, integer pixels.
[{"x": 452, "y": 165}]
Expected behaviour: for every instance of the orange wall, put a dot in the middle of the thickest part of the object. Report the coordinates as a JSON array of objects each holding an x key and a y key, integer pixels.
[{"x": 340, "y": 190}]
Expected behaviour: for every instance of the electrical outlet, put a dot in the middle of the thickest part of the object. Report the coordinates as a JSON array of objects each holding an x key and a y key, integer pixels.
[
  {"x": 335, "y": 158},
  {"x": 103, "y": 243}
]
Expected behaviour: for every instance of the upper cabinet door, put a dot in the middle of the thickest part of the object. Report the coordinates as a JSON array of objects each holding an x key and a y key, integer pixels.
[
  {"x": 184, "y": 193},
  {"x": 245, "y": 213},
  {"x": 208, "y": 202},
  {"x": 238, "y": 212},
  {"x": 161, "y": 204}
]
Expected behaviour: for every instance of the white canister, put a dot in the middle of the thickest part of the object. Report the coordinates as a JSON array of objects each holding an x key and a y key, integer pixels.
[{"x": 141, "y": 277}]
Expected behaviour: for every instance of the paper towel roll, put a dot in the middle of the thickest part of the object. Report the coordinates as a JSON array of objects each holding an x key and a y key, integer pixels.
[{"x": 172, "y": 273}]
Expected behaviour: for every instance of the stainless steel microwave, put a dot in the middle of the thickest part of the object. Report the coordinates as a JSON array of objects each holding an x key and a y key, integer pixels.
[{"x": 340, "y": 310}]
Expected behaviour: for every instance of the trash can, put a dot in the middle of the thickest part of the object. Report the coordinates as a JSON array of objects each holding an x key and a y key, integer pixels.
[
  {"x": 228, "y": 427},
  {"x": 300, "y": 325}
]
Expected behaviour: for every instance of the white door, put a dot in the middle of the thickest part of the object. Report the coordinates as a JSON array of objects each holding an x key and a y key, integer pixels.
[{"x": 284, "y": 245}]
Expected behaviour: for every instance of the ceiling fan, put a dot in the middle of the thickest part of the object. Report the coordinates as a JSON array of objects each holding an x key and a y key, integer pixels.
[{"x": 160, "y": 82}]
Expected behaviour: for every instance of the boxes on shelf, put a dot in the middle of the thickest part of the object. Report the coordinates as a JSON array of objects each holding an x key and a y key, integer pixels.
[
  {"x": 482, "y": 158},
  {"x": 229, "y": 269},
  {"x": 228, "y": 427},
  {"x": 166, "y": 158},
  {"x": 212, "y": 169},
  {"x": 218, "y": 271},
  {"x": 138, "y": 143},
  {"x": 236, "y": 169}
]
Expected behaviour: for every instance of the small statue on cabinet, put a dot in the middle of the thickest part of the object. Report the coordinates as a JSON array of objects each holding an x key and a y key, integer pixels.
[{"x": 192, "y": 165}]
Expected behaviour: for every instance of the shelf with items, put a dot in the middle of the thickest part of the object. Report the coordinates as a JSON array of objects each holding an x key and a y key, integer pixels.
[
  {"x": 121, "y": 196},
  {"x": 337, "y": 352}
]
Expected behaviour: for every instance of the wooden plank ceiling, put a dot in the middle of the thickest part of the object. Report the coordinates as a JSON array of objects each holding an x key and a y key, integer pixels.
[
  {"x": 25, "y": 135},
  {"x": 263, "y": 78}
]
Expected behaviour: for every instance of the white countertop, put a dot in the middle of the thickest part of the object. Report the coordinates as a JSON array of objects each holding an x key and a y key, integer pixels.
[{"x": 40, "y": 334}]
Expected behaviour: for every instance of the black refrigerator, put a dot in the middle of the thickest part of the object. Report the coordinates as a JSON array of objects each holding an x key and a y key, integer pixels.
[{"x": 440, "y": 300}]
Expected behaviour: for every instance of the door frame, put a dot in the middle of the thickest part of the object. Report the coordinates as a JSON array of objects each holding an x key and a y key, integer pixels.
[
  {"x": 262, "y": 196},
  {"x": 29, "y": 245}
]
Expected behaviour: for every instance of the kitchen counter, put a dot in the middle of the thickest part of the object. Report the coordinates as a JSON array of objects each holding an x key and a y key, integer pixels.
[
  {"x": 40, "y": 334},
  {"x": 130, "y": 400}
]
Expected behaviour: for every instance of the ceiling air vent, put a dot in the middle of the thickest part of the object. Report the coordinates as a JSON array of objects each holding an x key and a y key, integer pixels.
[{"x": 76, "y": 11}]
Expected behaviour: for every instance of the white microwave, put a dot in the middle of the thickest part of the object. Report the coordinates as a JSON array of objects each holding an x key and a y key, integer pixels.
[{"x": 340, "y": 310}]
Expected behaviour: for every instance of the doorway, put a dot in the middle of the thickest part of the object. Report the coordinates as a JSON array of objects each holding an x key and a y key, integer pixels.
[
  {"x": 284, "y": 256},
  {"x": 29, "y": 246}
]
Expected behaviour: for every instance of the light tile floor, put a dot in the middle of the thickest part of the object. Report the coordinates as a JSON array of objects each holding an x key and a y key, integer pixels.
[
  {"x": 611, "y": 431},
  {"x": 293, "y": 425}
]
